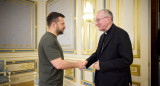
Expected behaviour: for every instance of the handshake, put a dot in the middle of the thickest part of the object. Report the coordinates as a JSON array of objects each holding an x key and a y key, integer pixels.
[{"x": 82, "y": 64}]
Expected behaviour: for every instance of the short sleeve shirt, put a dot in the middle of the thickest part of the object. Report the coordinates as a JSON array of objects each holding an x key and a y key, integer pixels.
[{"x": 48, "y": 50}]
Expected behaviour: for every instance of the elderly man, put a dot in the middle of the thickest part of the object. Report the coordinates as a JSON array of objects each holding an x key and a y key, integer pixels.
[{"x": 113, "y": 56}]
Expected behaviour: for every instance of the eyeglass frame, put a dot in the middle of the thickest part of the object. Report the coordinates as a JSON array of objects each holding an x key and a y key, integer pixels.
[{"x": 97, "y": 20}]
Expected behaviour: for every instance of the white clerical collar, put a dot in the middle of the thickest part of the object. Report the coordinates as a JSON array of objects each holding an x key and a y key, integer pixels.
[{"x": 105, "y": 33}]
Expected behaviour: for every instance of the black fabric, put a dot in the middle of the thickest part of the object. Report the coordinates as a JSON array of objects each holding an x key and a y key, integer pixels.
[
  {"x": 105, "y": 35},
  {"x": 114, "y": 59},
  {"x": 158, "y": 42}
]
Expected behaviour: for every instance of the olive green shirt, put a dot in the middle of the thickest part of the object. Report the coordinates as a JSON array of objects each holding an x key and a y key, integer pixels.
[{"x": 48, "y": 50}]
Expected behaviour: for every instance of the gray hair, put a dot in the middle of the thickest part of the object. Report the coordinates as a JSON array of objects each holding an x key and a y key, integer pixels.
[{"x": 107, "y": 12}]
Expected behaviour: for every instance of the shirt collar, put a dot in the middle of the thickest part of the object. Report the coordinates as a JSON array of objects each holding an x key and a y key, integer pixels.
[
  {"x": 52, "y": 34},
  {"x": 109, "y": 30}
]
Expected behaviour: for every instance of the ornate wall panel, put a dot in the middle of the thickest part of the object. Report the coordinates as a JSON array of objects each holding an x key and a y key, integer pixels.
[
  {"x": 21, "y": 78},
  {"x": 22, "y": 66},
  {"x": 22, "y": 69},
  {"x": 87, "y": 76},
  {"x": 67, "y": 82},
  {"x": 68, "y": 39},
  {"x": 70, "y": 74},
  {"x": 136, "y": 84},
  {"x": 135, "y": 69},
  {"x": 18, "y": 25}
]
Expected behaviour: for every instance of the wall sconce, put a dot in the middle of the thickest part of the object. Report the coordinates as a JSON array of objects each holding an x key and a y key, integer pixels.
[
  {"x": 89, "y": 31},
  {"x": 88, "y": 12}
]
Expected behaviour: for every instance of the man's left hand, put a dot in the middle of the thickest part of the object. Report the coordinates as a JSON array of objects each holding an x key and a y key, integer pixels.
[{"x": 96, "y": 65}]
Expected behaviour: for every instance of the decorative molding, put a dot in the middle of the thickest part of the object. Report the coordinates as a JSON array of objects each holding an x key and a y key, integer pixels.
[
  {"x": 22, "y": 66},
  {"x": 19, "y": 44},
  {"x": 91, "y": 71},
  {"x": 135, "y": 69},
  {"x": 70, "y": 74},
  {"x": 136, "y": 28},
  {"x": 136, "y": 84},
  {"x": 67, "y": 82},
  {"x": 19, "y": 78},
  {"x": 89, "y": 31},
  {"x": 27, "y": 66}
]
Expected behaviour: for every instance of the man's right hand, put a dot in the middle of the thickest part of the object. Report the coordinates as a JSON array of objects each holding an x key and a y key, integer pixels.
[{"x": 81, "y": 64}]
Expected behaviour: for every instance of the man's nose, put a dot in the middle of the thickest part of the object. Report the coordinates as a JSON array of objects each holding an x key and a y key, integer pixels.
[{"x": 64, "y": 26}]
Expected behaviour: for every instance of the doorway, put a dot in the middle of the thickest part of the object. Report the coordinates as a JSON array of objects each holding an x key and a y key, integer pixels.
[{"x": 154, "y": 33}]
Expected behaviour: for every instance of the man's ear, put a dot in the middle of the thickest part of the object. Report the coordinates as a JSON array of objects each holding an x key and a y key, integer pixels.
[{"x": 53, "y": 24}]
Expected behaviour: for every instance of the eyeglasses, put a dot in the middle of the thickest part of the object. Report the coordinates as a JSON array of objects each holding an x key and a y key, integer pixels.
[{"x": 97, "y": 20}]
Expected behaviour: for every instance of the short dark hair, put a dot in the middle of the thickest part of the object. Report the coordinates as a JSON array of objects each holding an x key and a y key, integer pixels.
[{"x": 53, "y": 17}]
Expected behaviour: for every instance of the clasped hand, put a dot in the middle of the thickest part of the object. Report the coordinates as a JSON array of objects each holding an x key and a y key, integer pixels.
[{"x": 81, "y": 64}]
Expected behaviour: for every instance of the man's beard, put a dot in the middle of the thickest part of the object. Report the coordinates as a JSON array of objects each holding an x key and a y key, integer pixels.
[{"x": 59, "y": 31}]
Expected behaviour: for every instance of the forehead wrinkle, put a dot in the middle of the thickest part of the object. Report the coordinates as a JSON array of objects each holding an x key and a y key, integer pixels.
[{"x": 100, "y": 15}]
